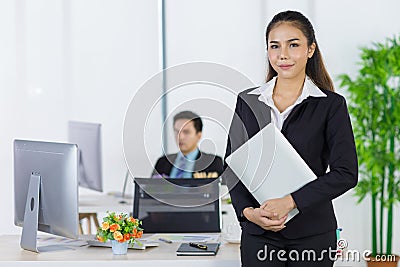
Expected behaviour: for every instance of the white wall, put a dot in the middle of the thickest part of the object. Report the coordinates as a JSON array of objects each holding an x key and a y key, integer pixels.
[
  {"x": 223, "y": 32},
  {"x": 8, "y": 106},
  {"x": 33, "y": 88},
  {"x": 113, "y": 50},
  {"x": 72, "y": 60},
  {"x": 84, "y": 60}
]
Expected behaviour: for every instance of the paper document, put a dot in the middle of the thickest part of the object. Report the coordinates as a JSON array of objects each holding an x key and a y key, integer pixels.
[{"x": 269, "y": 166}]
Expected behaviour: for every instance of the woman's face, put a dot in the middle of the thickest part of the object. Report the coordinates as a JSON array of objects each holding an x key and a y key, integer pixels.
[{"x": 288, "y": 51}]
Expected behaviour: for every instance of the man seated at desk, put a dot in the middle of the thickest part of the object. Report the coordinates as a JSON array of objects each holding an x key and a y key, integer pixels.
[{"x": 189, "y": 162}]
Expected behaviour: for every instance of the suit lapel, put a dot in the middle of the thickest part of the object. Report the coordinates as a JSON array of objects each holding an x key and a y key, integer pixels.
[
  {"x": 201, "y": 162},
  {"x": 261, "y": 111}
]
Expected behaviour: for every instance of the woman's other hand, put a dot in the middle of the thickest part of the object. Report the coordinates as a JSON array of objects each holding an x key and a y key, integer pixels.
[
  {"x": 280, "y": 206},
  {"x": 265, "y": 219}
]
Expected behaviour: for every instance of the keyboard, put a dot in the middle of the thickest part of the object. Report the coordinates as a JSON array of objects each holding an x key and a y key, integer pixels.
[{"x": 145, "y": 244}]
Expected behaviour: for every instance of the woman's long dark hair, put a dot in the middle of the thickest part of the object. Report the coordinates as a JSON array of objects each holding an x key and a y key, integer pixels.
[{"x": 315, "y": 68}]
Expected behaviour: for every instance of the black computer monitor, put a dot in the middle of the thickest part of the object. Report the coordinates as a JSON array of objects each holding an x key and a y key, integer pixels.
[
  {"x": 87, "y": 136},
  {"x": 177, "y": 205},
  {"x": 45, "y": 191}
]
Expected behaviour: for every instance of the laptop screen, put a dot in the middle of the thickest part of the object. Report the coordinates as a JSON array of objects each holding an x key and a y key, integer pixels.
[{"x": 177, "y": 205}]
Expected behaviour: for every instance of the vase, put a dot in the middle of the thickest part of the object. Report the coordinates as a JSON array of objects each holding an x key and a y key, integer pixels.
[{"x": 119, "y": 248}]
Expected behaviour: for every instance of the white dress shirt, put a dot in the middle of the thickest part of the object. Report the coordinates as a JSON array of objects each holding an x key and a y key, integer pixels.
[{"x": 278, "y": 118}]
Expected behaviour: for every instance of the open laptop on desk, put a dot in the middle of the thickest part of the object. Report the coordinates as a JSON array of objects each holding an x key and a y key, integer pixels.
[{"x": 171, "y": 205}]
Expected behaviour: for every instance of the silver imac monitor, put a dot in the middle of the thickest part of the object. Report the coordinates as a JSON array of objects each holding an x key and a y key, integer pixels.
[
  {"x": 88, "y": 138},
  {"x": 45, "y": 191}
]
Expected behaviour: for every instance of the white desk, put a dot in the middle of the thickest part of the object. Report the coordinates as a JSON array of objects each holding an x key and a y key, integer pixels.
[
  {"x": 228, "y": 255},
  {"x": 165, "y": 255}
]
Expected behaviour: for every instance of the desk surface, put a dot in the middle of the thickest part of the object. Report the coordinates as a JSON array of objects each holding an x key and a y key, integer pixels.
[
  {"x": 228, "y": 255},
  {"x": 164, "y": 255}
]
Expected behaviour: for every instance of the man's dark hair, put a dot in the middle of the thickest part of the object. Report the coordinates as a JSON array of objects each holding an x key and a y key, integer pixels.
[{"x": 188, "y": 115}]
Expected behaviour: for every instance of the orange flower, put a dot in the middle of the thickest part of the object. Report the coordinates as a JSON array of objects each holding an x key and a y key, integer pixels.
[
  {"x": 136, "y": 234},
  {"x": 139, "y": 234},
  {"x": 118, "y": 225},
  {"x": 114, "y": 227},
  {"x": 127, "y": 237},
  {"x": 105, "y": 226},
  {"x": 118, "y": 236}
]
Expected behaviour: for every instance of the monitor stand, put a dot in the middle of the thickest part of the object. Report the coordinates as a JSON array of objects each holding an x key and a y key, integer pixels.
[{"x": 31, "y": 219}]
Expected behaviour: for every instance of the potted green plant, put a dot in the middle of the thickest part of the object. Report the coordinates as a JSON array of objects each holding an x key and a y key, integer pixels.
[{"x": 374, "y": 106}]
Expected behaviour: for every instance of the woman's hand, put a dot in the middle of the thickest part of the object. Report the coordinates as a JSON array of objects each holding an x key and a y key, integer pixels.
[
  {"x": 280, "y": 206},
  {"x": 265, "y": 219}
]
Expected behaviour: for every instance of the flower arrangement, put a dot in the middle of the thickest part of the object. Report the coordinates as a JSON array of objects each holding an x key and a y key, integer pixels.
[{"x": 122, "y": 228}]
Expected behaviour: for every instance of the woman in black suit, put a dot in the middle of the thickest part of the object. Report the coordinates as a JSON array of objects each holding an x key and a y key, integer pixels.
[{"x": 299, "y": 99}]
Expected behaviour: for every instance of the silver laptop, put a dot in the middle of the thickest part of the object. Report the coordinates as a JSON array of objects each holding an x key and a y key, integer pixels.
[{"x": 269, "y": 166}]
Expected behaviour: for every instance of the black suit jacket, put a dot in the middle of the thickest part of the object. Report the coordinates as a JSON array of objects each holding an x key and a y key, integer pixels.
[
  {"x": 319, "y": 129},
  {"x": 204, "y": 163}
]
